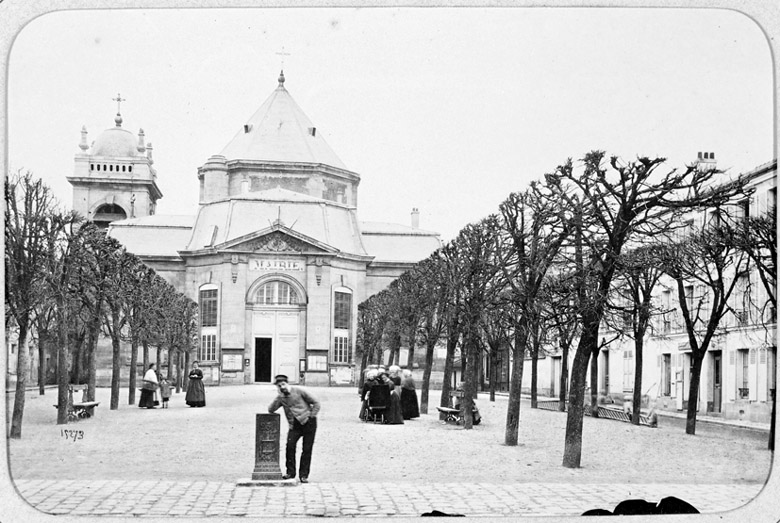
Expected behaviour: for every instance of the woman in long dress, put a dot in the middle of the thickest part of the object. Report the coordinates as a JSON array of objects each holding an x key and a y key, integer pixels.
[
  {"x": 148, "y": 389},
  {"x": 394, "y": 416},
  {"x": 196, "y": 393},
  {"x": 409, "y": 407}
]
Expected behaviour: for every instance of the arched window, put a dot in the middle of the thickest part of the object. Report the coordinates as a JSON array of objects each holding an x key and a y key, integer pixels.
[
  {"x": 277, "y": 293},
  {"x": 108, "y": 213}
]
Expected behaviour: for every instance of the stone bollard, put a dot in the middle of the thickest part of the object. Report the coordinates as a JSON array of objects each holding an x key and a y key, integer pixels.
[
  {"x": 267, "y": 471},
  {"x": 267, "y": 447}
]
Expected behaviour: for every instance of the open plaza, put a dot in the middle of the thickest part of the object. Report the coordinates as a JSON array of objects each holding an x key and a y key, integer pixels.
[{"x": 187, "y": 462}]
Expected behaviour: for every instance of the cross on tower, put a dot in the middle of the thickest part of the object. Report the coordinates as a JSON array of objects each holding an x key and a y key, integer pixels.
[
  {"x": 118, "y": 101},
  {"x": 283, "y": 54}
]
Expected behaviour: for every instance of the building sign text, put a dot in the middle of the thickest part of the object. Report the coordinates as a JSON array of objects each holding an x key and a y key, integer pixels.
[{"x": 276, "y": 265}]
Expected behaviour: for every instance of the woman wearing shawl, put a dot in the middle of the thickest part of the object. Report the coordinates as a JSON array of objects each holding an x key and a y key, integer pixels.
[
  {"x": 148, "y": 389},
  {"x": 409, "y": 407}
]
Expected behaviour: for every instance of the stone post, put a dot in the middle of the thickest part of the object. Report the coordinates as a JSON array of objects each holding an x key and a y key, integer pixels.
[{"x": 267, "y": 448}]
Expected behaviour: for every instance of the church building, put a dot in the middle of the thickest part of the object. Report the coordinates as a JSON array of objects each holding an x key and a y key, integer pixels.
[{"x": 275, "y": 256}]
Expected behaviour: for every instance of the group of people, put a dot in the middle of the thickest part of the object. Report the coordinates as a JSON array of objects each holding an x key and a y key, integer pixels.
[
  {"x": 402, "y": 404},
  {"x": 196, "y": 392}
]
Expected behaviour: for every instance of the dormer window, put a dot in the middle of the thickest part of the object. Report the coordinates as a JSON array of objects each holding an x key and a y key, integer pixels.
[
  {"x": 247, "y": 127},
  {"x": 312, "y": 131}
]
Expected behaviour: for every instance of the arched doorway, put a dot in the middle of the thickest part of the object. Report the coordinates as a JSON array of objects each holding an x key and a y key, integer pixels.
[{"x": 278, "y": 305}]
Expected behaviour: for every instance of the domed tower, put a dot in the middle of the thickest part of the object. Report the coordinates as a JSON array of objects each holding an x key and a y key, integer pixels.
[
  {"x": 278, "y": 147},
  {"x": 114, "y": 178}
]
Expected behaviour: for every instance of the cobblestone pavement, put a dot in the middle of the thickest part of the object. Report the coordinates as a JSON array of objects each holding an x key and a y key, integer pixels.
[{"x": 208, "y": 498}]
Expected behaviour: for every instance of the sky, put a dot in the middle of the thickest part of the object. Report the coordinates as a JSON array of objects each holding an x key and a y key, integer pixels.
[{"x": 448, "y": 110}]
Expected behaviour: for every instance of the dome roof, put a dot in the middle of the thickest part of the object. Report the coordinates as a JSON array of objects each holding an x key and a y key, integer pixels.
[{"x": 115, "y": 142}]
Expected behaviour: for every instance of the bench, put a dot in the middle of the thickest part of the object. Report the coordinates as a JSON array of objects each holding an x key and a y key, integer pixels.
[
  {"x": 451, "y": 415},
  {"x": 455, "y": 415},
  {"x": 81, "y": 409}
]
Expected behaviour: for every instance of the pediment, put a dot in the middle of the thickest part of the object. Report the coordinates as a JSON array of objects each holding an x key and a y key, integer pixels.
[{"x": 276, "y": 240}]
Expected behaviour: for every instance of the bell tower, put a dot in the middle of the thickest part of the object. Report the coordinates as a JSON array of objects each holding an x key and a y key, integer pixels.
[{"x": 114, "y": 178}]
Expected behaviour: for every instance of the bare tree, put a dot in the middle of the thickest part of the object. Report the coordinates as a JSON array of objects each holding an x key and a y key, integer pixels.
[
  {"x": 31, "y": 216},
  {"x": 533, "y": 229},
  {"x": 559, "y": 302},
  {"x": 639, "y": 273},
  {"x": 473, "y": 268},
  {"x": 619, "y": 204},
  {"x": 706, "y": 267},
  {"x": 432, "y": 305},
  {"x": 121, "y": 286}
]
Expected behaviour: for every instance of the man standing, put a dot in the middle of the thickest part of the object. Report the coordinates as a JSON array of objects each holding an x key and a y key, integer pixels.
[{"x": 301, "y": 409}]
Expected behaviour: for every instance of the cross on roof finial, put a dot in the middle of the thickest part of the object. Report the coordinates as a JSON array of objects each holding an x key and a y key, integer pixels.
[{"x": 118, "y": 101}]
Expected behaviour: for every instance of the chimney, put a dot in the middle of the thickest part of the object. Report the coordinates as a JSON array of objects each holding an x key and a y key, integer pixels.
[{"x": 415, "y": 217}]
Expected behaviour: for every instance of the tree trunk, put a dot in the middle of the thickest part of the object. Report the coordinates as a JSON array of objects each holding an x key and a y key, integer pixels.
[
  {"x": 572, "y": 451},
  {"x": 410, "y": 355},
  {"x": 493, "y": 372},
  {"x": 158, "y": 361},
  {"x": 42, "y": 342},
  {"x": 637, "y": 399},
  {"x": 178, "y": 371},
  {"x": 479, "y": 374},
  {"x": 91, "y": 353},
  {"x": 693, "y": 392},
  {"x": 594, "y": 383},
  {"x": 63, "y": 372},
  {"x": 145, "y": 344},
  {"x": 91, "y": 374},
  {"x": 564, "y": 377},
  {"x": 185, "y": 379},
  {"x": 470, "y": 352},
  {"x": 363, "y": 365},
  {"x": 115, "y": 361},
  {"x": 133, "y": 370},
  {"x": 449, "y": 362},
  {"x": 534, "y": 377},
  {"x": 172, "y": 361},
  {"x": 771, "y": 445},
  {"x": 515, "y": 386},
  {"x": 22, "y": 365},
  {"x": 77, "y": 355},
  {"x": 426, "y": 384}
]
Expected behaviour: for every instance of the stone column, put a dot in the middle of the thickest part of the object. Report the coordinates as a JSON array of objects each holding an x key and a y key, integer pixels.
[{"x": 267, "y": 430}]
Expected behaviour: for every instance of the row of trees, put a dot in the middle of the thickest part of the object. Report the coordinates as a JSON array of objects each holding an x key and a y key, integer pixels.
[
  {"x": 67, "y": 284},
  {"x": 573, "y": 256}
]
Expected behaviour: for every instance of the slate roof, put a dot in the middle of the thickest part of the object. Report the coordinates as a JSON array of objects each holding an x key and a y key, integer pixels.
[
  {"x": 280, "y": 131},
  {"x": 327, "y": 222},
  {"x": 390, "y": 242},
  {"x": 156, "y": 235}
]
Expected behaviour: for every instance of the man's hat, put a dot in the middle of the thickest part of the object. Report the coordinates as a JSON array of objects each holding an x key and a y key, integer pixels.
[{"x": 279, "y": 378}]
